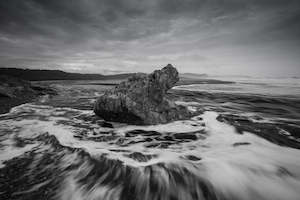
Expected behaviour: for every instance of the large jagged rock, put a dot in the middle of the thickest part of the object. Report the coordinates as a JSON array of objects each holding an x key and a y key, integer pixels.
[{"x": 141, "y": 99}]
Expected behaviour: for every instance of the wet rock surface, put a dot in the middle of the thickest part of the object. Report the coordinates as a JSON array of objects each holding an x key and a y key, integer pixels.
[
  {"x": 15, "y": 91},
  {"x": 269, "y": 131},
  {"x": 141, "y": 99}
]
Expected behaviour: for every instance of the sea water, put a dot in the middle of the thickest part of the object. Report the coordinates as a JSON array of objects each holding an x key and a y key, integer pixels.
[{"x": 243, "y": 143}]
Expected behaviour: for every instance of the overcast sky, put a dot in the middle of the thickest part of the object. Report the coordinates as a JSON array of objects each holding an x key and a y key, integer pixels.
[{"x": 246, "y": 37}]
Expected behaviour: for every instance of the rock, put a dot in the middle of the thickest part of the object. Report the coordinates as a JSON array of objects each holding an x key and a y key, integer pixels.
[
  {"x": 12, "y": 87},
  {"x": 141, "y": 99},
  {"x": 15, "y": 91},
  {"x": 192, "y": 158},
  {"x": 240, "y": 144}
]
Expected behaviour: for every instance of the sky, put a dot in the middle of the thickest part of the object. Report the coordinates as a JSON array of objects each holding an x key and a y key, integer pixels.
[{"x": 217, "y": 37}]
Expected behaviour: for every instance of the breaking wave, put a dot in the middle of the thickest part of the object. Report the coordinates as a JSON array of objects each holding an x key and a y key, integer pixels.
[{"x": 230, "y": 151}]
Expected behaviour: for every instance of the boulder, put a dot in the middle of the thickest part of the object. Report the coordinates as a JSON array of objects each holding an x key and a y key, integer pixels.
[{"x": 141, "y": 99}]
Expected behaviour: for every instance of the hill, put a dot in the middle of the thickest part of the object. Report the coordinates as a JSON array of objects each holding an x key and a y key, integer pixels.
[
  {"x": 44, "y": 75},
  {"x": 39, "y": 75}
]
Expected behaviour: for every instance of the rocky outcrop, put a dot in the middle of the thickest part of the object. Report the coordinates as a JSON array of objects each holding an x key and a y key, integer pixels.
[
  {"x": 15, "y": 91},
  {"x": 141, "y": 99}
]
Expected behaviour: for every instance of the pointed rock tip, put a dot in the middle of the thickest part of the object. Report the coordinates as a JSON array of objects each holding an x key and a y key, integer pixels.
[{"x": 169, "y": 65}]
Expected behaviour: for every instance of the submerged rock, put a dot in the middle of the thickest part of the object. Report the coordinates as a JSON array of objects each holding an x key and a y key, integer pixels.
[{"x": 141, "y": 99}]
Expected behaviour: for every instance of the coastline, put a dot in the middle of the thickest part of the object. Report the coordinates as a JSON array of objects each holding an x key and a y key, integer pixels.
[{"x": 15, "y": 91}]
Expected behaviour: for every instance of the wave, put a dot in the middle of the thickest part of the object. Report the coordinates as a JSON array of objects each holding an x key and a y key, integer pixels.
[{"x": 66, "y": 153}]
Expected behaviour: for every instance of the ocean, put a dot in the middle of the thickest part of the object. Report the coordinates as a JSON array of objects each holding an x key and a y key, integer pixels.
[{"x": 244, "y": 143}]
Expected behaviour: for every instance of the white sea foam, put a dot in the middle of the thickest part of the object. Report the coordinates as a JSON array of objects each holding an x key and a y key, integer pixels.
[
  {"x": 192, "y": 106},
  {"x": 175, "y": 127},
  {"x": 10, "y": 151},
  {"x": 255, "y": 169}
]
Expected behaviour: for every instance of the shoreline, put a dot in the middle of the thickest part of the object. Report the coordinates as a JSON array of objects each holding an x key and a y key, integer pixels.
[
  {"x": 7, "y": 104},
  {"x": 15, "y": 91}
]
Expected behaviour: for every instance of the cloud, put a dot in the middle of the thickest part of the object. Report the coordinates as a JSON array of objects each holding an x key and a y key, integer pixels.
[{"x": 139, "y": 35}]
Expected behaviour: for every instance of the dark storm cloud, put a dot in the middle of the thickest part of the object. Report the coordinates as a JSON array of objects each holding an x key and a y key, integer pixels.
[
  {"x": 69, "y": 18},
  {"x": 114, "y": 34}
]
